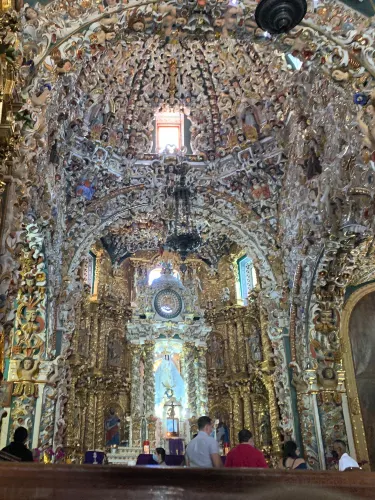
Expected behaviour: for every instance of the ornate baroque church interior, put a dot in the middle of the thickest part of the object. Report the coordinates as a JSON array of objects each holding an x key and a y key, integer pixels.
[{"x": 187, "y": 226}]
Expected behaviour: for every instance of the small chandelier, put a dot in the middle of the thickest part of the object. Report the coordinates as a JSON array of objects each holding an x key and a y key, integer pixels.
[
  {"x": 185, "y": 238},
  {"x": 279, "y": 16}
]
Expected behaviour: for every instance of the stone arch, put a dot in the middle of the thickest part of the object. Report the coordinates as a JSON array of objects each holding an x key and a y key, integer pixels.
[{"x": 249, "y": 240}]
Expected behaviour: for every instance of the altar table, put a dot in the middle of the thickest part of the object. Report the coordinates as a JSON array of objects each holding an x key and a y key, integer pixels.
[
  {"x": 171, "y": 460},
  {"x": 176, "y": 446}
]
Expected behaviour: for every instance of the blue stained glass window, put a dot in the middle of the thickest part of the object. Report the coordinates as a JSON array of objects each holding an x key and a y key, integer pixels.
[{"x": 247, "y": 276}]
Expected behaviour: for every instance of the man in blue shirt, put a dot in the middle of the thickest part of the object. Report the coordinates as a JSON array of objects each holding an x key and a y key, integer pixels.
[{"x": 203, "y": 450}]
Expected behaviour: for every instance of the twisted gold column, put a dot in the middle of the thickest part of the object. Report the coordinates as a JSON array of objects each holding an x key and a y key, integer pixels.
[
  {"x": 89, "y": 441},
  {"x": 135, "y": 389},
  {"x": 248, "y": 413},
  {"x": 241, "y": 345},
  {"x": 189, "y": 376},
  {"x": 94, "y": 332},
  {"x": 267, "y": 367},
  {"x": 235, "y": 396},
  {"x": 99, "y": 429},
  {"x": 232, "y": 346},
  {"x": 70, "y": 409},
  {"x": 246, "y": 334}
]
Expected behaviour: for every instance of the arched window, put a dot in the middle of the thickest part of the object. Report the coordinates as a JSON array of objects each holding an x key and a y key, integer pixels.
[
  {"x": 247, "y": 277},
  {"x": 89, "y": 271},
  {"x": 156, "y": 273}
]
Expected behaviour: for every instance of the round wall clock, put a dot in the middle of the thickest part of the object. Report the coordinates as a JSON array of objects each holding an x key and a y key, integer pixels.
[{"x": 168, "y": 303}]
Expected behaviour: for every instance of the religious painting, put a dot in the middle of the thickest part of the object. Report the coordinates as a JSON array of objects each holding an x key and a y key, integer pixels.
[
  {"x": 215, "y": 353},
  {"x": 6, "y": 389},
  {"x": 112, "y": 425},
  {"x": 362, "y": 337},
  {"x": 114, "y": 353}
]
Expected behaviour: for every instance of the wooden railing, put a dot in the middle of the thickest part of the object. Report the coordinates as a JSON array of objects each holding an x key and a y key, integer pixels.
[{"x": 21, "y": 481}]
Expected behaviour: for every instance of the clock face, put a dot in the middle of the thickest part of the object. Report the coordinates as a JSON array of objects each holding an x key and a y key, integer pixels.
[{"x": 168, "y": 304}]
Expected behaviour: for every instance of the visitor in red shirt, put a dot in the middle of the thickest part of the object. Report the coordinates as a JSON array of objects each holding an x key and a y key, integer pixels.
[{"x": 245, "y": 454}]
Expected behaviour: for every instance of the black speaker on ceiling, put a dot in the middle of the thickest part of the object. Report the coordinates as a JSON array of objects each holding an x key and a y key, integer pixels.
[{"x": 279, "y": 16}]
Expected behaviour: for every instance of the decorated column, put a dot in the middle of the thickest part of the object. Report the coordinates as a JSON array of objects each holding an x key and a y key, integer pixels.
[
  {"x": 231, "y": 336},
  {"x": 241, "y": 344},
  {"x": 149, "y": 379},
  {"x": 201, "y": 382},
  {"x": 248, "y": 414},
  {"x": 189, "y": 377},
  {"x": 236, "y": 415},
  {"x": 135, "y": 402}
]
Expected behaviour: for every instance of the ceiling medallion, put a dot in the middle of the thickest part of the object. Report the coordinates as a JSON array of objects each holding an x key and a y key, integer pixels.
[{"x": 279, "y": 16}]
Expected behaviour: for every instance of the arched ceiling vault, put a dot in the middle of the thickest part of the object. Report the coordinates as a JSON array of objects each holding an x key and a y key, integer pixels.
[{"x": 95, "y": 76}]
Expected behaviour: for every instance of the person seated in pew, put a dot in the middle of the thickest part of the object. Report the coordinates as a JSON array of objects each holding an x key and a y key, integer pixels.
[
  {"x": 17, "y": 447},
  {"x": 245, "y": 454},
  {"x": 159, "y": 456},
  {"x": 291, "y": 459},
  {"x": 346, "y": 462}
]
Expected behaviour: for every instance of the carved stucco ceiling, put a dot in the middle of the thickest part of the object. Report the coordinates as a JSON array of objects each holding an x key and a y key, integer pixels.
[
  {"x": 126, "y": 237},
  {"x": 104, "y": 77}
]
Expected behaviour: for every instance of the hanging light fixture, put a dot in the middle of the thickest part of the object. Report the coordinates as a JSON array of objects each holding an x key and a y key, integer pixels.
[
  {"x": 185, "y": 238},
  {"x": 279, "y": 16}
]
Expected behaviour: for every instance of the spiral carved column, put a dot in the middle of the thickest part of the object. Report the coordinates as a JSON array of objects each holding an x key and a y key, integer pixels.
[
  {"x": 232, "y": 346},
  {"x": 202, "y": 380},
  {"x": 149, "y": 388},
  {"x": 236, "y": 415},
  {"x": 248, "y": 414},
  {"x": 189, "y": 376},
  {"x": 268, "y": 382},
  {"x": 99, "y": 430},
  {"x": 136, "y": 410},
  {"x": 135, "y": 403},
  {"x": 241, "y": 346},
  {"x": 90, "y": 422}
]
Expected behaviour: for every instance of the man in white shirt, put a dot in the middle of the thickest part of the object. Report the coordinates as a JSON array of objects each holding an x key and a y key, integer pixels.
[
  {"x": 345, "y": 461},
  {"x": 203, "y": 450}
]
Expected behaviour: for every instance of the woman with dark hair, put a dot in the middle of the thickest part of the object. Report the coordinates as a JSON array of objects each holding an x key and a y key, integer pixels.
[
  {"x": 291, "y": 459},
  {"x": 159, "y": 456}
]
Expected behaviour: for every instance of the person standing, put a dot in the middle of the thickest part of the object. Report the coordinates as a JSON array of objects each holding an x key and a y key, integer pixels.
[
  {"x": 203, "y": 450},
  {"x": 245, "y": 454},
  {"x": 18, "y": 448},
  {"x": 346, "y": 462}
]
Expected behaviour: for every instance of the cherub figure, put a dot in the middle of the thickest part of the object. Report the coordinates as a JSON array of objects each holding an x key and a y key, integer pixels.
[{"x": 27, "y": 371}]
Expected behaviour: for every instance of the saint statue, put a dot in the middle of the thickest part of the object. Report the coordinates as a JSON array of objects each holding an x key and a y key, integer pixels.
[{"x": 112, "y": 428}]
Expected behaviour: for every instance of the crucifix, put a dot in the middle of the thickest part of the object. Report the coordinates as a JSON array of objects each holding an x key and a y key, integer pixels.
[{"x": 171, "y": 415}]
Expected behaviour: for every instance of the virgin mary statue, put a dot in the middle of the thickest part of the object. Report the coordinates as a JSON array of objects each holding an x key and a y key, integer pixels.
[{"x": 168, "y": 382}]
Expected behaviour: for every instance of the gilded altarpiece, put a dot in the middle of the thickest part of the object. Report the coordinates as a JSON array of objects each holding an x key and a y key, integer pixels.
[
  {"x": 240, "y": 367},
  {"x": 100, "y": 364}
]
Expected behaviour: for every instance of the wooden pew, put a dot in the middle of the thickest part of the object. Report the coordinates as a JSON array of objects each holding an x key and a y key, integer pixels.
[{"x": 24, "y": 481}]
